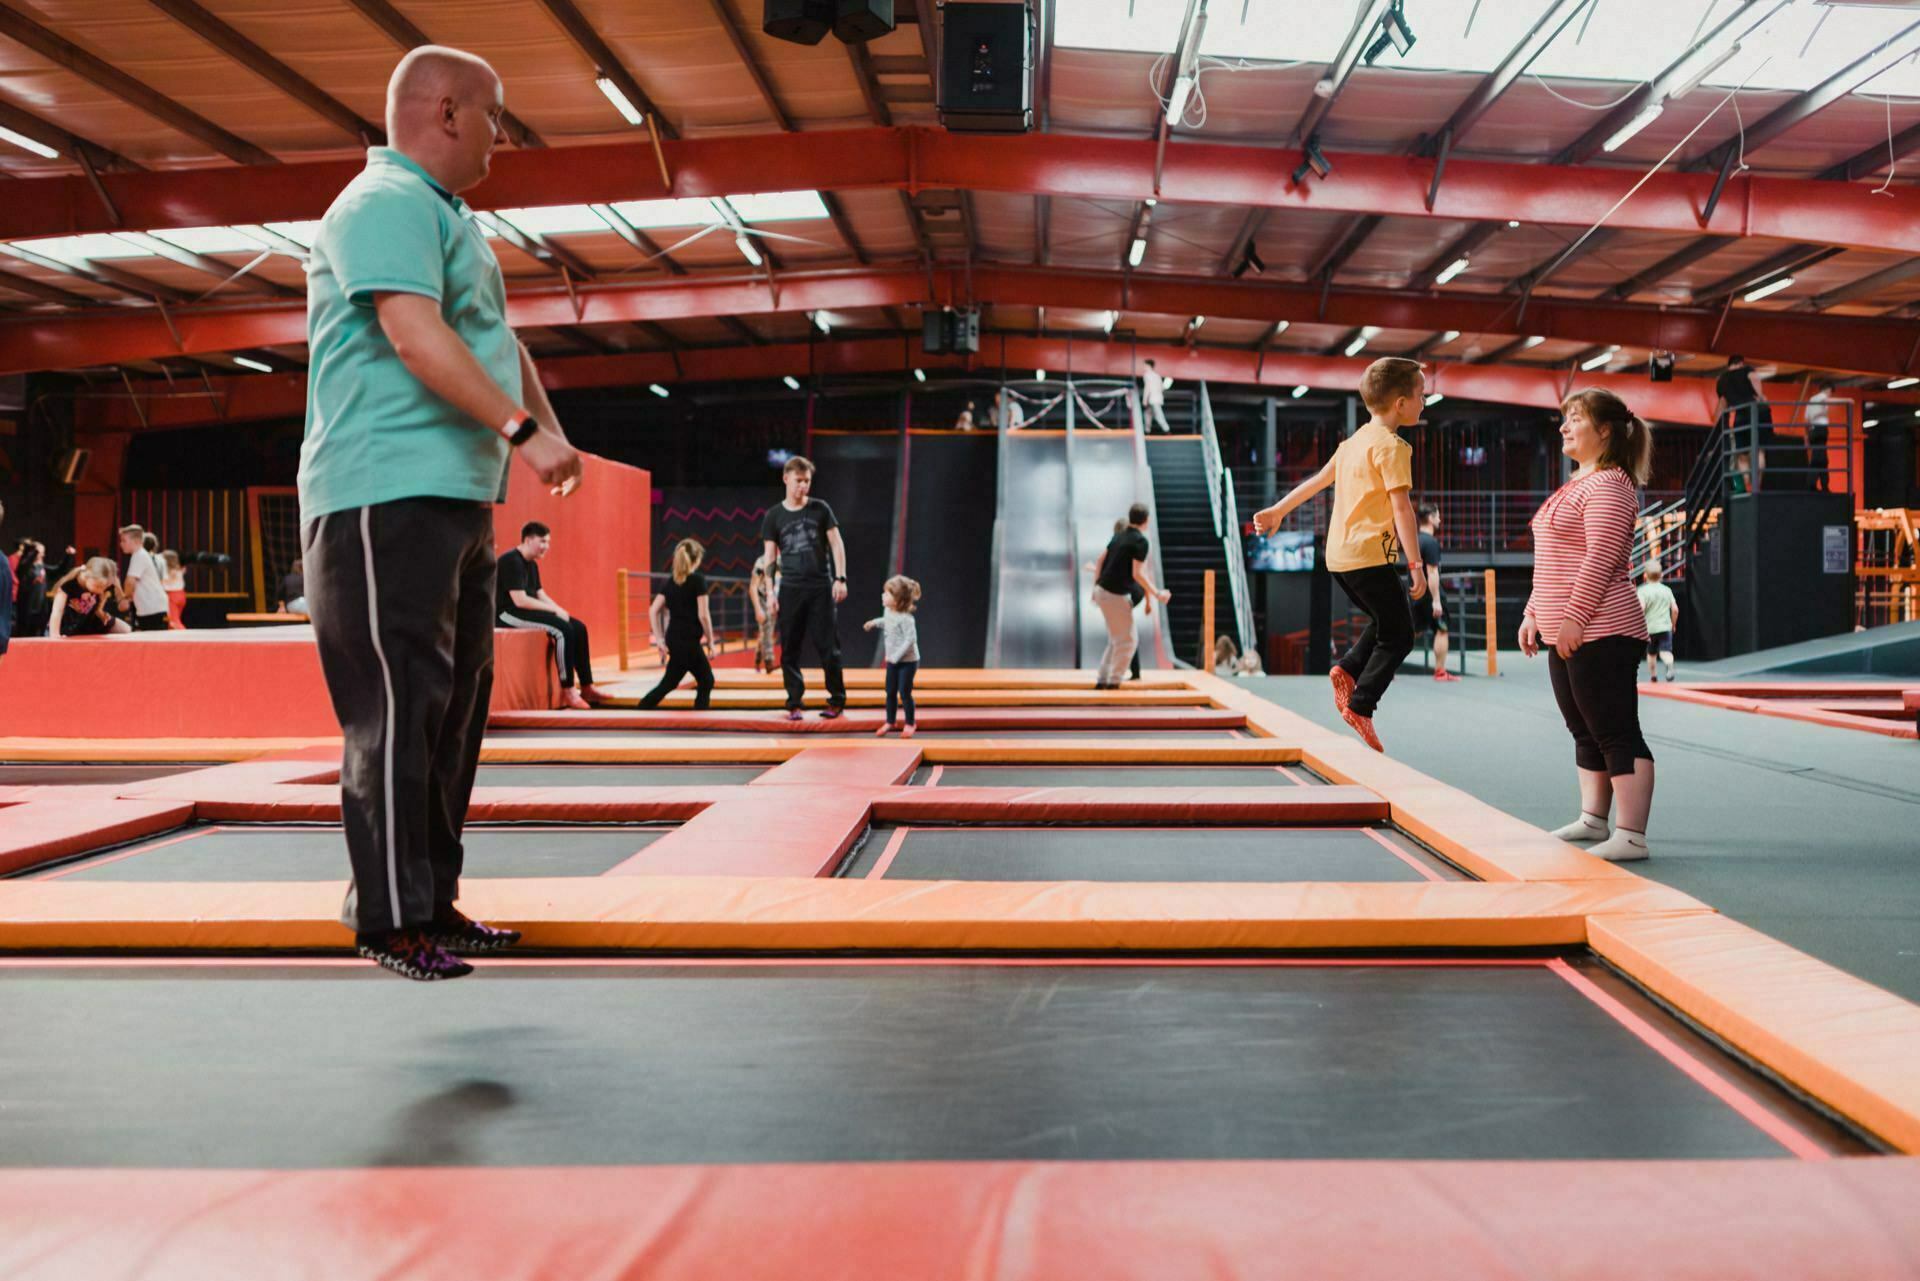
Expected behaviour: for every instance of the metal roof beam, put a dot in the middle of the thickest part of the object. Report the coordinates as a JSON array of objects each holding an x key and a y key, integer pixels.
[
  {"x": 70, "y": 56},
  {"x": 402, "y": 32},
  {"x": 269, "y": 68},
  {"x": 1866, "y": 286}
]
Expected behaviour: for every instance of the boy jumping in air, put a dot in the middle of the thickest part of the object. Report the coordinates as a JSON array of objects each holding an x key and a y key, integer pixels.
[{"x": 1372, "y": 528}]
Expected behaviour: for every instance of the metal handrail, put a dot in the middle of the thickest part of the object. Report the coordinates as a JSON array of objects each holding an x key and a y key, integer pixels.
[
  {"x": 1226, "y": 524},
  {"x": 1143, "y": 493},
  {"x": 1211, "y": 460}
]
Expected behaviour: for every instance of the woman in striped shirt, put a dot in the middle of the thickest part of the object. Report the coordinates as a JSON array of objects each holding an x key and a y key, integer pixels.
[{"x": 1583, "y": 608}]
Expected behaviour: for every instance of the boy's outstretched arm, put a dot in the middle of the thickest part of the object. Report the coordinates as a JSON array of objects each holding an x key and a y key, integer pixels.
[
  {"x": 1268, "y": 520},
  {"x": 1407, "y": 529}
]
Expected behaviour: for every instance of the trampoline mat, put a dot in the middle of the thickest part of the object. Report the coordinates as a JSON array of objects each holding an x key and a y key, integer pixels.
[
  {"x": 1119, "y": 776},
  {"x": 270, "y": 853},
  {"x": 1191, "y": 854},
  {"x": 30, "y": 775},
  {"x": 616, "y": 775},
  {"x": 614, "y": 737},
  {"x": 260, "y": 1065}
]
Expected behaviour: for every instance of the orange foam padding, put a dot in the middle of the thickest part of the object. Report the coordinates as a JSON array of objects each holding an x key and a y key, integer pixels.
[
  {"x": 585, "y": 749},
  {"x": 102, "y": 751},
  {"x": 771, "y": 697},
  {"x": 41, "y": 831},
  {"x": 1844, "y": 1041},
  {"x": 1068, "y": 751},
  {"x": 726, "y": 913},
  {"x": 243, "y": 780},
  {"x": 1816, "y": 691},
  {"x": 604, "y": 525},
  {"x": 321, "y": 804},
  {"x": 861, "y": 722},
  {"x": 944, "y": 678},
  {"x": 978, "y": 1221},
  {"x": 1910, "y": 700},
  {"x": 1170, "y": 805},
  {"x": 1467, "y": 832},
  {"x": 1836, "y": 712},
  {"x": 871, "y": 765},
  {"x": 209, "y": 684}
]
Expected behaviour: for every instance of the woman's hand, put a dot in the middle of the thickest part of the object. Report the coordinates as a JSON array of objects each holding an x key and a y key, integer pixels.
[
  {"x": 1529, "y": 636},
  {"x": 1571, "y": 634}
]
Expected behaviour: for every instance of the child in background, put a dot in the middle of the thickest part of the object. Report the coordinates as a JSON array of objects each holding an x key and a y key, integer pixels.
[
  {"x": 1662, "y": 612},
  {"x": 689, "y": 628},
  {"x": 1372, "y": 529},
  {"x": 902, "y": 638},
  {"x": 81, "y": 599},
  {"x": 173, "y": 581},
  {"x": 760, "y": 592}
]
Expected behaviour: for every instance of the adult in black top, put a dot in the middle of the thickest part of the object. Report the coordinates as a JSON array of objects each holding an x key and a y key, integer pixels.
[
  {"x": 685, "y": 641},
  {"x": 520, "y": 601},
  {"x": 1744, "y": 410},
  {"x": 1116, "y": 566},
  {"x": 6, "y": 594},
  {"x": 1434, "y": 616},
  {"x": 802, "y": 536}
]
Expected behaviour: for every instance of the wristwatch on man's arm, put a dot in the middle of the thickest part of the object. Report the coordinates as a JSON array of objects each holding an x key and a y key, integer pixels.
[{"x": 519, "y": 429}]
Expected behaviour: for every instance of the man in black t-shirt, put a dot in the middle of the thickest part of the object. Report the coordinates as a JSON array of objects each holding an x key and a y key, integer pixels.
[
  {"x": 522, "y": 602},
  {"x": 803, "y": 539},
  {"x": 1435, "y": 618},
  {"x": 1123, "y": 564},
  {"x": 1745, "y": 412}
]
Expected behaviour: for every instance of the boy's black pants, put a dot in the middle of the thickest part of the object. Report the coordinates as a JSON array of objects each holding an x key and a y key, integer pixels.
[{"x": 1381, "y": 595}]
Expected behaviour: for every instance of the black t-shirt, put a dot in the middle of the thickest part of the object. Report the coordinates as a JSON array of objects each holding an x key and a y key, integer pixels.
[
  {"x": 1735, "y": 386},
  {"x": 683, "y": 608},
  {"x": 1429, "y": 550},
  {"x": 1116, "y": 568},
  {"x": 82, "y": 617},
  {"x": 801, "y": 537},
  {"x": 515, "y": 574}
]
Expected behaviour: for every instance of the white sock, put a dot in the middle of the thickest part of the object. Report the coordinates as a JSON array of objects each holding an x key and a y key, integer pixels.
[
  {"x": 1624, "y": 846},
  {"x": 1588, "y": 827}
]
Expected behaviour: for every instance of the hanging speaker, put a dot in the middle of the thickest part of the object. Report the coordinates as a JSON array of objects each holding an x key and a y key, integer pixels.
[
  {"x": 859, "y": 21},
  {"x": 71, "y": 468},
  {"x": 801, "y": 21},
  {"x": 986, "y": 67}
]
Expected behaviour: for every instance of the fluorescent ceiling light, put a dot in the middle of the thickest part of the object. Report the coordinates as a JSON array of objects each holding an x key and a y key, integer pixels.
[
  {"x": 1435, "y": 398},
  {"x": 247, "y": 362},
  {"x": 1453, "y": 269},
  {"x": 920, "y": 375},
  {"x": 619, "y": 101},
  {"x": 1633, "y": 126},
  {"x": 1449, "y": 336},
  {"x": 658, "y": 390},
  {"x": 1596, "y": 361},
  {"x": 1112, "y": 319},
  {"x": 1152, "y": 201},
  {"x": 1299, "y": 391},
  {"x": 1898, "y": 383},
  {"x": 1137, "y": 254},
  {"x": 1698, "y": 66},
  {"x": 747, "y": 251},
  {"x": 1040, "y": 375},
  {"x": 1767, "y": 290},
  {"x": 1871, "y": 422},
  {"x": 820, "y": 319},
  {"x": 1354, "y": 348},
  {"x": 1196, "y": 322},
  {"x": 1281, "y": 327},
  {"x": 1369, "y": 332},
  {"x": 1177, "y": 100},
  {"x": 1532, "y": 341},
  {"x": 1512, "y": 223},
  {"x": 25, "y": 143},
  {"x": 791, "y": 382},
  {"x": 779, "y": 206}
]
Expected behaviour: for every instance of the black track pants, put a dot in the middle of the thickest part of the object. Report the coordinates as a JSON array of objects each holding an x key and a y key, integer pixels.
[
  {"x": 806, "y": 614},
  {"x": 1388, "y": 638}
]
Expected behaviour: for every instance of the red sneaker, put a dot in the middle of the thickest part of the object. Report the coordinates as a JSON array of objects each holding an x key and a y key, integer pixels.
[
  {"x": 1445, "y": 676},
  {"x": 1363, "y": 726},
  {"x": 571, "y": 698},
  {"x": 1342, "y": 689}
]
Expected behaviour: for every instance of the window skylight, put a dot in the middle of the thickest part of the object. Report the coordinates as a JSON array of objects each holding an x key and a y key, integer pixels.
[
  {"x": 554, "y": 220},
  {"x": 211, "y": 240},
  {"x": 668, "y": 213},
  {"x": 779, "y": 206},
  {"x": 1609, "y": 43}
]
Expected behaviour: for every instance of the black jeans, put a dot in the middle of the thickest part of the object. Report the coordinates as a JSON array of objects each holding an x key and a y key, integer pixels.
[
  {"x": 150, "y": 622},
  {"x": 683, "y": 656},
  {"x": 1599, "y": 696},
  {"x": 900, "y": 688},
  {"x": 806, "y": 613},
  {"x": 402, "y": 597},
  {"x": 1380, "y": 594},
  {"x": 572, "y": 652}
]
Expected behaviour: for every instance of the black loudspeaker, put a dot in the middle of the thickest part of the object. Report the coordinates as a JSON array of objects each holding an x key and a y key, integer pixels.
[
  {"x": 946, "y": 331},
  {"x": 801, "y": 21},
  {"x": 71, "y": 468},
  {"x": 933, "y": 332},
  {"x": 861, "y": 20},
  {"x": 986, "y": 67},
  {"x": 964, "y": 336}
]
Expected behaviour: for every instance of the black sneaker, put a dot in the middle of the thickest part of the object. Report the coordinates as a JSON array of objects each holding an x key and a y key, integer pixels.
[
  {"x": 456, "y": 932},
  {"x": 832, "y": 713},
  {"x": 411, "y": 954}
]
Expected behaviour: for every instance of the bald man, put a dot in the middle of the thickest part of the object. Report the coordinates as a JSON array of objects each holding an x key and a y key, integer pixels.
[{"x": 417, "y": 396}]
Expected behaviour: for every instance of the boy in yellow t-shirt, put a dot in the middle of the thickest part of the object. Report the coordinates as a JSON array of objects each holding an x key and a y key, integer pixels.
[{"x": 1372, "y": 531}]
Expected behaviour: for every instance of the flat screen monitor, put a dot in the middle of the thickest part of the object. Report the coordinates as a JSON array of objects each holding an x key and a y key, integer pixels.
[{"x": 1286, "y": 551}]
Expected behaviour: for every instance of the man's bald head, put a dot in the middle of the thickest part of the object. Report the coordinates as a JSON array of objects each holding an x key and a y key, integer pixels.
[{"x": 443, "y": 110}]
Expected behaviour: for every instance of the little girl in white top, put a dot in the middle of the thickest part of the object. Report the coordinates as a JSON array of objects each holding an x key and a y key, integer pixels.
[{"x": 902, "y": 638}]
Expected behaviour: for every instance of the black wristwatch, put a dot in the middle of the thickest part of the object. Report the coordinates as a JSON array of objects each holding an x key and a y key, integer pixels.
[
  {"x": 839, "y": 578},
  {"x": 519, "y": 429}
]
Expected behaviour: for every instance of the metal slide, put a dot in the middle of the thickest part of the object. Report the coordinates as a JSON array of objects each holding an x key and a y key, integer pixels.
[{"x": 1060, "y": 492}]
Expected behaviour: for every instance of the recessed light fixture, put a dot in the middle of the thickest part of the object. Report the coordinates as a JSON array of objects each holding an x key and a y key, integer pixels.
[
  {"x": 657, "y": 390},
  {"x": 258, "y": 366},
  {"x": 793, "y": 384},
  {"x": 1767, "y": 290},
  {"x": 620, "y": 101}
]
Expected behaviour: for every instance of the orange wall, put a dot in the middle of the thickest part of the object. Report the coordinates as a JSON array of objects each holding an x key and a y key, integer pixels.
[{"x": 604, "y": 525}]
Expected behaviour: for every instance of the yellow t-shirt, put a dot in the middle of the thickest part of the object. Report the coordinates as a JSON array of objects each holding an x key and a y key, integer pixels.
[{"x": 1368, "y": 466}]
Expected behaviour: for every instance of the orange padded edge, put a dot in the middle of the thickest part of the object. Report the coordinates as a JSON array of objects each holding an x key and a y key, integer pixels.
[
  {"x": 763, "y": 913},
  {"x": 1172, "y": 805},
  {"x": 773, "y": 697},
  {"x": 586, "y": 749},
  {"x": 1068, "y": 751},
  {"x": 868, "y": 765},
  {"x": 929, "y": 678},
  {"x": 321, "y": 804},
  {"x": 1467, "y": 832},
  {"x": 865, "y": 722},
  {"x": 979, "y": 1221},
  {"x": 1853, "y": 1046},
  {"x": 103, "y": 751},
  {"x": 41, "y": 831}
]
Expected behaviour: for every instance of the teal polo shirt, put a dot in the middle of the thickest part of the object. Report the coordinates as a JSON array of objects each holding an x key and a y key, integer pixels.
[{"x": 374, "y": 432}]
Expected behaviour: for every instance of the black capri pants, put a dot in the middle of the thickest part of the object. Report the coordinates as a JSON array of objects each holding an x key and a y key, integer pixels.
[{"x": 1599, "y": 695}]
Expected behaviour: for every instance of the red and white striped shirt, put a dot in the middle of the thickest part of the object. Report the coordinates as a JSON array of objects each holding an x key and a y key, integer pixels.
[{"x": 1582, "y": 537}]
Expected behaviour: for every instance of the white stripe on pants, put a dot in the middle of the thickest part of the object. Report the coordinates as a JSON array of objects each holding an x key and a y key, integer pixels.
[
  {"x": 1117, "y": 609},
  {"x": 554, "y": 630}
]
